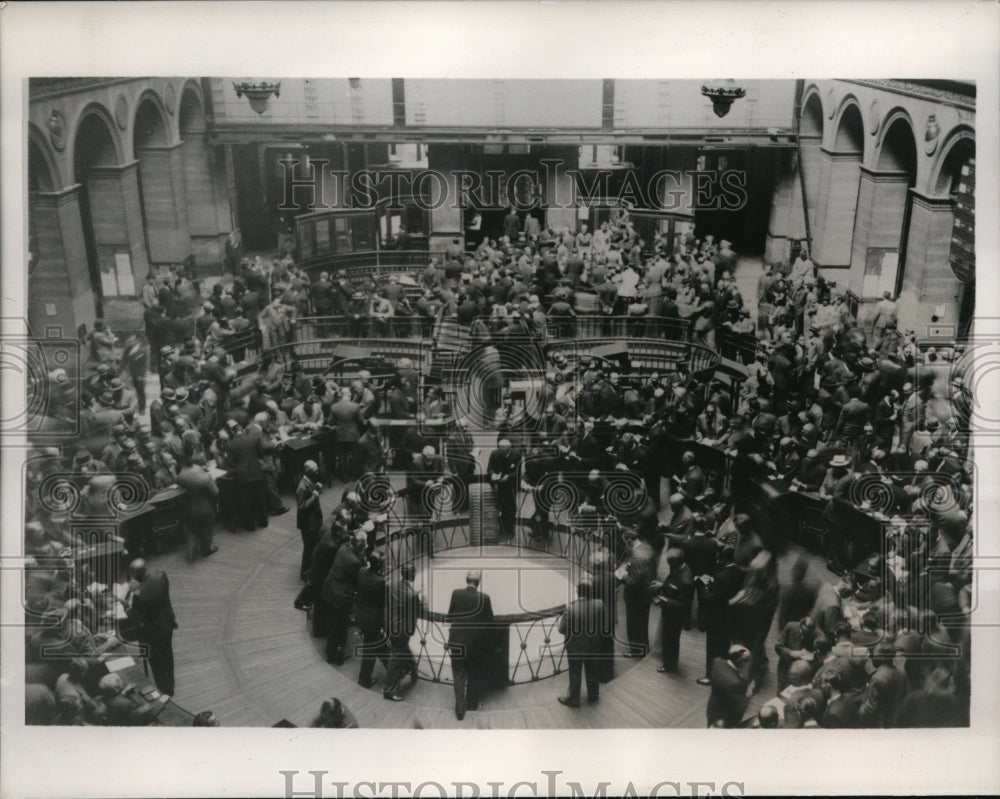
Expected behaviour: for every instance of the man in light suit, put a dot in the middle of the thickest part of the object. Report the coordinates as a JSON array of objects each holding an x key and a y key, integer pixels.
[
  {"x": 309, "y": 516},
  {"x": 582, "y": 626},
  {"x": 198, "y": 508},
  {"x": 469, "y": 612}
]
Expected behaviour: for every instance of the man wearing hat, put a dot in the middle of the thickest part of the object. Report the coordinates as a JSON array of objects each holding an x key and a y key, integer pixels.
[
  {"x": 104, "y": 418},
  {"x": 122, "y": 397},
  {"x": 836, "y": 488},
  {"x": 101, "y": 380}
]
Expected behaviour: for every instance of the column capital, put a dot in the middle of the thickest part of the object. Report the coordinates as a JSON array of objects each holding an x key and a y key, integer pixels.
[
  {"x": 936, "y": 204},
  {"x": 112, "y": 170},
  {"x": 841, "y": 155},
  {"x": 55, "y": 199},
  {"x": 884, "y": 175},
  {"x": 158, "y": 148}
]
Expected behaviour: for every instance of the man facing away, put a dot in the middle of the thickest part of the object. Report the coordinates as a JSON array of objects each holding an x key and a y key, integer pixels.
[
  {"x": 581, "y": 627},
  {"x": 469, "y": 612}
]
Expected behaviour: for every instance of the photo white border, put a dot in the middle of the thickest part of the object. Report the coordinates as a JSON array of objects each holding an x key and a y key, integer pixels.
[{"x": 493, "y": 40}]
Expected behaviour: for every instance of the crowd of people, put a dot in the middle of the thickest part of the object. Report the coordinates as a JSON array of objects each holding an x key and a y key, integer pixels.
[{"x": 853, "y": 417}]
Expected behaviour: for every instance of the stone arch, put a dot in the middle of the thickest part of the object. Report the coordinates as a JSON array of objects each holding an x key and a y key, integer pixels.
[
  {"x": 43, "y": 170},
  {"x": 897, "y": 144},
  {"x": 958, "y": 146},
  {"x": 812, "y": 114},
  {"x": 94, "y": 141},
  {"x": 849, "y": 131},
  {"x": 149, "y": 124},
  {"x": 191, "y": 115}
]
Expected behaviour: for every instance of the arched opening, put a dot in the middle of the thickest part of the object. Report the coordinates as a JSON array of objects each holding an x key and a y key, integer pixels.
[
  {"x": 150, "y": 129},
  {"x": 812, "y": 117},
  {"x": 957, "y": 179},
  {"x": 899, "y": 149},
  {"x": 850, "y": 132},
  {"x": 957, "y": 160},
  {"x": 40, "y": 180},
  {"x": 164, "y": 213},
  {"x": 885, "y": 208},
  {"x": 837, "y": 194},
  {"x": 192, "y": 113},
  {"x": 94, "y": 148}
]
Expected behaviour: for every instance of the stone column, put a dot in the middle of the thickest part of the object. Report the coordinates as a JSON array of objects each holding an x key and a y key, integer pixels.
[
  {"x": 836, "y": 201},
  {"x": 116, "y": 219},
  {"x": 878, "y": 223},
  {"x": 786, "y": 221},
  {"x": 161, "y": 169},
  {"x": 928, "y": 285},
  {"x": 60, "y": 281}
]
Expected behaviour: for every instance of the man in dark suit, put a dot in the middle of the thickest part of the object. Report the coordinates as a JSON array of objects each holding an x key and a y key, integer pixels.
[
  {"x": 309, "y": 516},
  {"x": 675, "y": 596},
  {"x": 730, "y": 679},
  {"x": 338, "y": 592},
  {"x": 198, "y": 507},
  {"x": 348, "y": 422},
  {"x": 469, "y": 612},
  {"x": 246, "y": 449},
  {"x": 332, "y": 533},
  {"x": 403, "y": 605},
  {"x": 581, "y": 626},
  {"x": 369, "y": 611},
  {"x": 502, "y": 471},
  {"x": 714, "y": 592},
  {"x": 150, "y": 610}
]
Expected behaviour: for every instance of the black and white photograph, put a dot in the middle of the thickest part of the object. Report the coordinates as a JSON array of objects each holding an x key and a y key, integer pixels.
[{"x": 558, "y": 406}]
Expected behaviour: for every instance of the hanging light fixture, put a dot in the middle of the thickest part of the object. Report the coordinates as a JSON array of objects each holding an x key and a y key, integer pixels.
[
  {"x": 258, "y": 93},
  {"x": 722, "y": 94}
]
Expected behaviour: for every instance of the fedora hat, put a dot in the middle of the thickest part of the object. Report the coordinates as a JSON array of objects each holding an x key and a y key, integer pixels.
[{"x": 839, "y": 461}]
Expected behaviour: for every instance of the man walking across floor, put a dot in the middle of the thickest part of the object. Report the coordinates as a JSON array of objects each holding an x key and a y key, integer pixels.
[
  {"x": 581, "y": 627},
  {"x": 469, "y": 613},
  {"x": 309, "y": 517}
]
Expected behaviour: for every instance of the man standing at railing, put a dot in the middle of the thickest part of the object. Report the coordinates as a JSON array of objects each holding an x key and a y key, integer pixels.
[
  {"x": 502, "y": 470},
  {"x": 469, "y": 612}
]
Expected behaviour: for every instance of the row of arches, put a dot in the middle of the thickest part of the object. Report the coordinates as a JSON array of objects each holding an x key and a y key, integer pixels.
[
  {"x": 94, "y": 138},
  {"x": 879, "y": 196},
  {"x": 892, "y": 145},
  {"x": 143, "y": 186}
]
